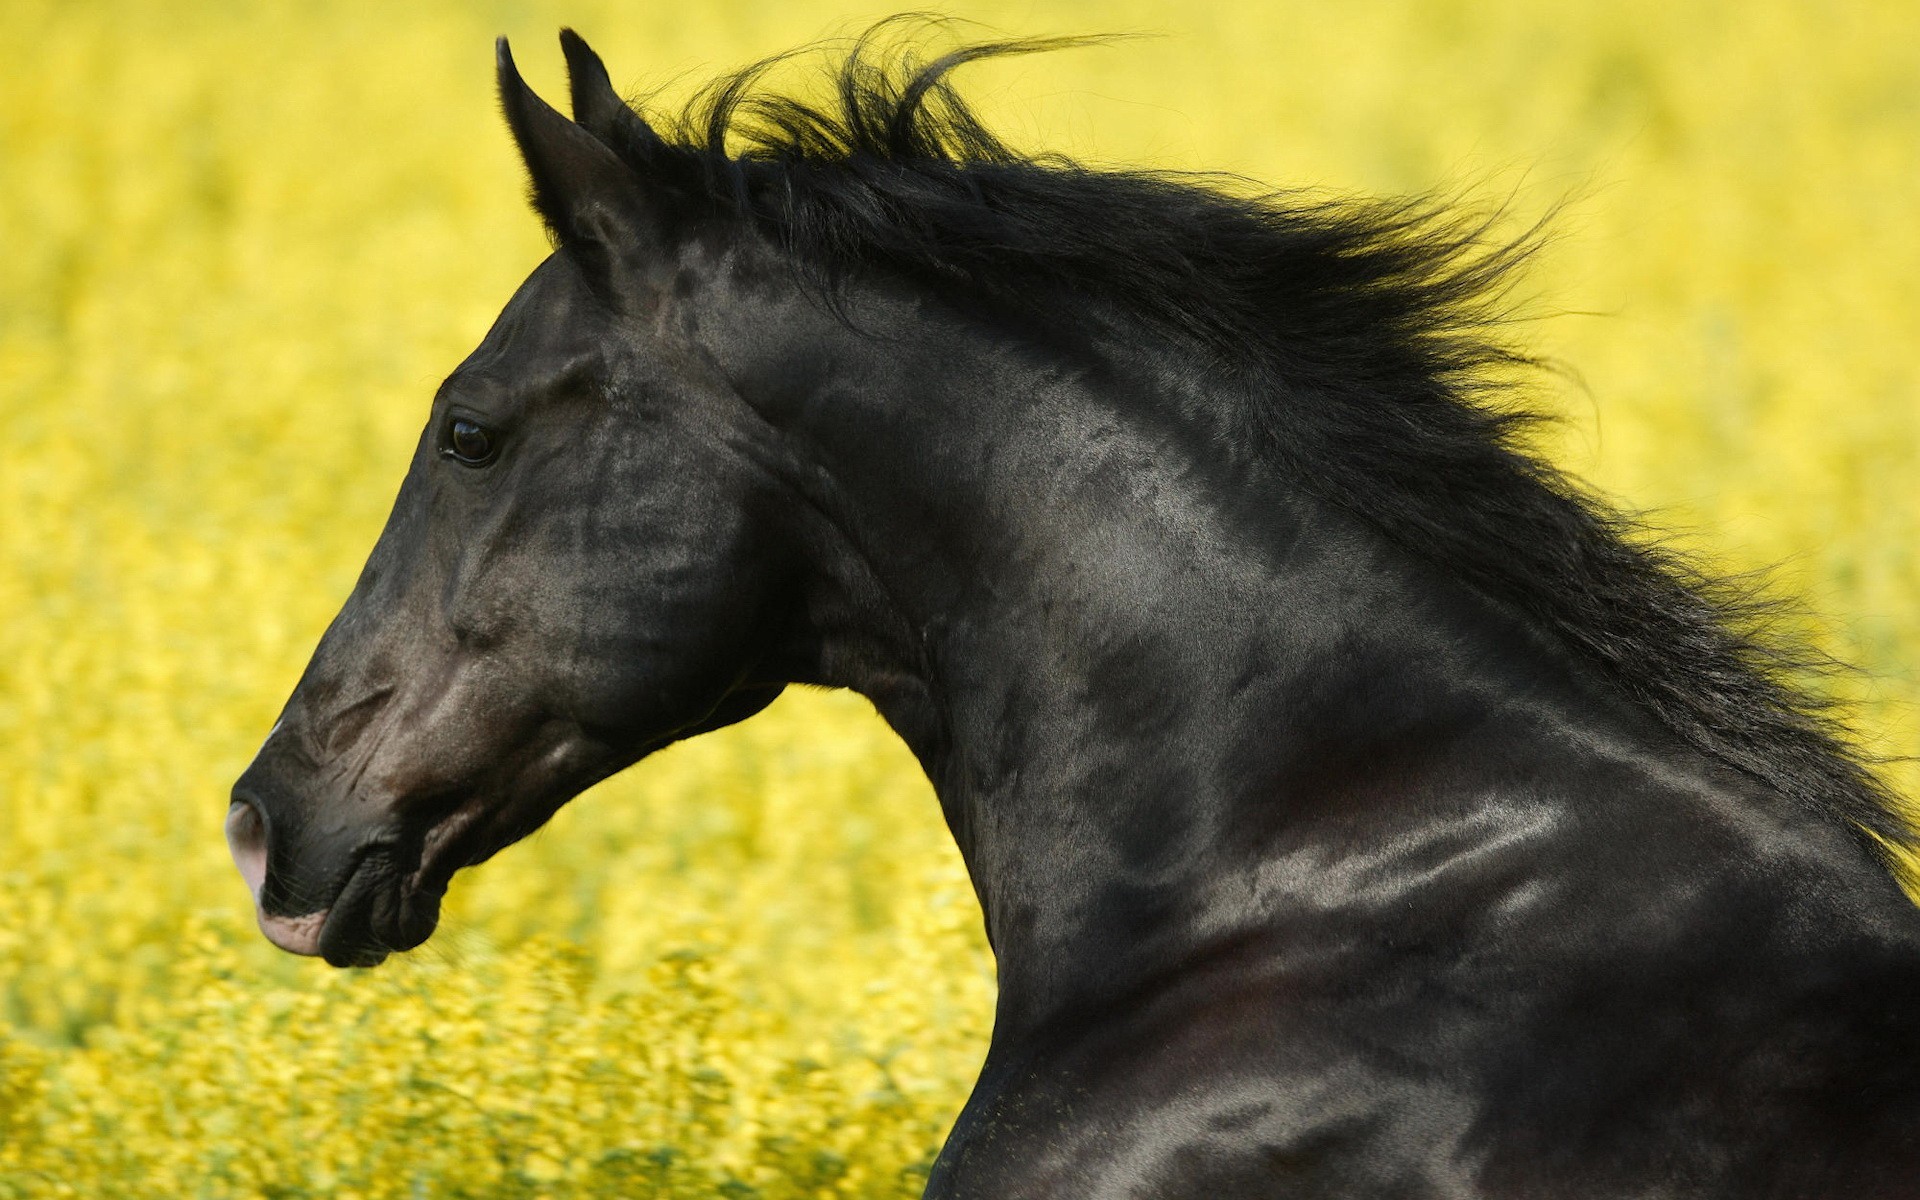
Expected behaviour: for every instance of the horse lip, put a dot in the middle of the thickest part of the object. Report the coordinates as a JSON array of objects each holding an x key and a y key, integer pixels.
[
  {"x": 345, "y": 935},
  {"x": 295, "y": 935},
  {"x": 384, "y": 907}
]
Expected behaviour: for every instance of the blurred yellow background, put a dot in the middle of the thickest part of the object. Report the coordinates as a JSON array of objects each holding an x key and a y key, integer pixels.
[{"x": 240, "y": 244}]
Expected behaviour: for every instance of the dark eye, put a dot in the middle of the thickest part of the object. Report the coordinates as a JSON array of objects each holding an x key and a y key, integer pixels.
[{"x": 470, "y": 442}]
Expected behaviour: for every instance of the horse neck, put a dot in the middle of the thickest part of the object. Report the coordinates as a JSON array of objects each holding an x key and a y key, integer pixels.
[{"x": 1138, "y": 668}]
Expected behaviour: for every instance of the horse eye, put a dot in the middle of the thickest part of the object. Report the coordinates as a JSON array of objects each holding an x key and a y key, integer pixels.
[{"x": 470, "y": 442}]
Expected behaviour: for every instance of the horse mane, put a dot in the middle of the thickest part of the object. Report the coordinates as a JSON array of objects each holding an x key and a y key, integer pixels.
[{"x": 1365, "y": 337}]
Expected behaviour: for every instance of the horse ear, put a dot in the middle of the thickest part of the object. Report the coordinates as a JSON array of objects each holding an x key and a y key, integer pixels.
[
  {"x": 587, "y": 196},
  {"x": 597, "y": 108}
]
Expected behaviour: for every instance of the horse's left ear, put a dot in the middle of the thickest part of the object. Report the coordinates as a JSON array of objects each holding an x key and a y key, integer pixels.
[
  {"x": 593, "y": 203},
  {"x": 599, "y": 110}
]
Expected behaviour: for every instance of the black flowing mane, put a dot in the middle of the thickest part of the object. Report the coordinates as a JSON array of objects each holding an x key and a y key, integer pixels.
[{"x": 1359, "y": 340}]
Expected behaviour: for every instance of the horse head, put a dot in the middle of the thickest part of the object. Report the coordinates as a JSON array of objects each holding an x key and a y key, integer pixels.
[{"x": 572, "y": 576}]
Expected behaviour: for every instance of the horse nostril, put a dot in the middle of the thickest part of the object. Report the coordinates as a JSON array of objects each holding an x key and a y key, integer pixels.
[{"x": 247, "y": 839}]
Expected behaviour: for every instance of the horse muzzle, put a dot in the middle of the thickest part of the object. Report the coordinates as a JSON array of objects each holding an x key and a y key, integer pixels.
[{"x": 362, "y": 903}]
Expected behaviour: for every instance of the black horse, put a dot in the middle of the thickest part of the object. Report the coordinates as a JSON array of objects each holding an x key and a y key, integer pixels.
[{"x": 1359, "y": 809}]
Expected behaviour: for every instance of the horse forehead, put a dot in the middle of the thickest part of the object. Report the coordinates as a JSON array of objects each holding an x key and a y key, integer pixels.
[{"x": 552, "y": 325}]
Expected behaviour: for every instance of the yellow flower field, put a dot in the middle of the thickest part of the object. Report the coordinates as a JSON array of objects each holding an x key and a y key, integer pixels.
[{"x": 239, "y": 245}]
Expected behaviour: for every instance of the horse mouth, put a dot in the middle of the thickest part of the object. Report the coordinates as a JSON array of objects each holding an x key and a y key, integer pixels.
[
  {"x": 387, "y": 900},
  {"x": 371, "y": 916}
]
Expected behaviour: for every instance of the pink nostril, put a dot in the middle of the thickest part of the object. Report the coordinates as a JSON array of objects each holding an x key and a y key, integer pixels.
[{"x": 247, "y": 839}]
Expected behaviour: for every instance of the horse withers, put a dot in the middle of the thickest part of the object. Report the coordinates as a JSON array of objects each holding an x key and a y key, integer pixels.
[{"x": 1358, "y": 809}]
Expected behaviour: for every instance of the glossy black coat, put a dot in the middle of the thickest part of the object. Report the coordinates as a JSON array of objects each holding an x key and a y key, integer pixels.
[{"x": 1312, "y": 867}]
